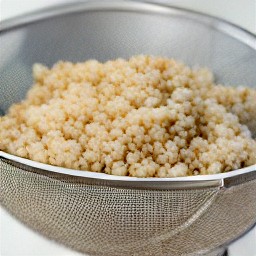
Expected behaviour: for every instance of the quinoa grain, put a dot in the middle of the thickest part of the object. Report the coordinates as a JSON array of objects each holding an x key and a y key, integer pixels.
[{"x": 144, "y": 117}]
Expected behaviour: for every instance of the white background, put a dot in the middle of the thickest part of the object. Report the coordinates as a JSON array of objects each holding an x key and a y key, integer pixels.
[{"x": 15, "y": 238}]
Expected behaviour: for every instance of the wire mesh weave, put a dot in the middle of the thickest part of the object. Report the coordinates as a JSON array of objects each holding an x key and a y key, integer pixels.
[
  {"x": 108, "y": 220},
  {"x": 102, "y": 220}
]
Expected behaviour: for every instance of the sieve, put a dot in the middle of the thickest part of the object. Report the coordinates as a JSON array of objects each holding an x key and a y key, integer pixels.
[{"x": 102, "y": 214}]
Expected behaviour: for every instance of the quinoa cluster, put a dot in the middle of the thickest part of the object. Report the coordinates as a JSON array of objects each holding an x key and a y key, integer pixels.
[{"x": 145, "y": 117}]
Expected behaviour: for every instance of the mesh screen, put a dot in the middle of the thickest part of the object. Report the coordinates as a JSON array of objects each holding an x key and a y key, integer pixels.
[
  {"x": 103, "y": 220},
  {"x": 105, "y": 35}
]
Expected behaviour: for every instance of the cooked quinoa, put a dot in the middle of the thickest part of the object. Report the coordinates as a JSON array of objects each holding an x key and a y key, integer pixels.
[{"x": 145, "y": 117}]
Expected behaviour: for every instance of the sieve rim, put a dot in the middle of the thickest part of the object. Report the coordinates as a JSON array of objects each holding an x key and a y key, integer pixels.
[
  {"x": 211, "y": 180},
  {"x": 225, "y": 27},
  {"x": 220, "y": 24}
]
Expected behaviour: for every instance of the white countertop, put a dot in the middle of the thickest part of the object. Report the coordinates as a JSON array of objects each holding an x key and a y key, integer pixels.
[{"x": 18, "y": 240}]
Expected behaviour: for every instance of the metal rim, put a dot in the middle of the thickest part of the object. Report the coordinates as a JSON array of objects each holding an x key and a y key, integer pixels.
[
  {"x": 226, "y": 27},
  {"x": 214, "y": 180},
  {"x": 232, "y": 30}
]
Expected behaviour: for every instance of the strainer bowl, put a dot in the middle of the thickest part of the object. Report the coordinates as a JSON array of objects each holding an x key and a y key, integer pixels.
[{"x": 102, "y": 214}]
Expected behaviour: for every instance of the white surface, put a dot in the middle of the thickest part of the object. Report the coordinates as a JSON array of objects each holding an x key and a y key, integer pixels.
[{"x": 18, "y": 240}]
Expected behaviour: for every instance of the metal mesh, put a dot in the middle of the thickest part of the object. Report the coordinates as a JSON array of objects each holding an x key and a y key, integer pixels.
[
  {"x": 109, "y": 220},
  {"x": 105, "y": 35},
  {"x": 103, "y": 220}
]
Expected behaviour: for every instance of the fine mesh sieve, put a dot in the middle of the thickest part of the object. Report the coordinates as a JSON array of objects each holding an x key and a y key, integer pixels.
[{"x": 107, "y": 215}]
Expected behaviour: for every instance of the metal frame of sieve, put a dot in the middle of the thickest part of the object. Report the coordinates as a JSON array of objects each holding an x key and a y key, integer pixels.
[
  {"x": 221, "y": 180},
  {"x": 217, "y": 180},
  {"x": 89, "y": 211},
  {"x": 229, "y": 28}
]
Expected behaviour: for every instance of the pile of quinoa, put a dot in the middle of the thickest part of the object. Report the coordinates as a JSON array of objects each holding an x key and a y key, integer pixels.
[{"x": 145, "y": 117}]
